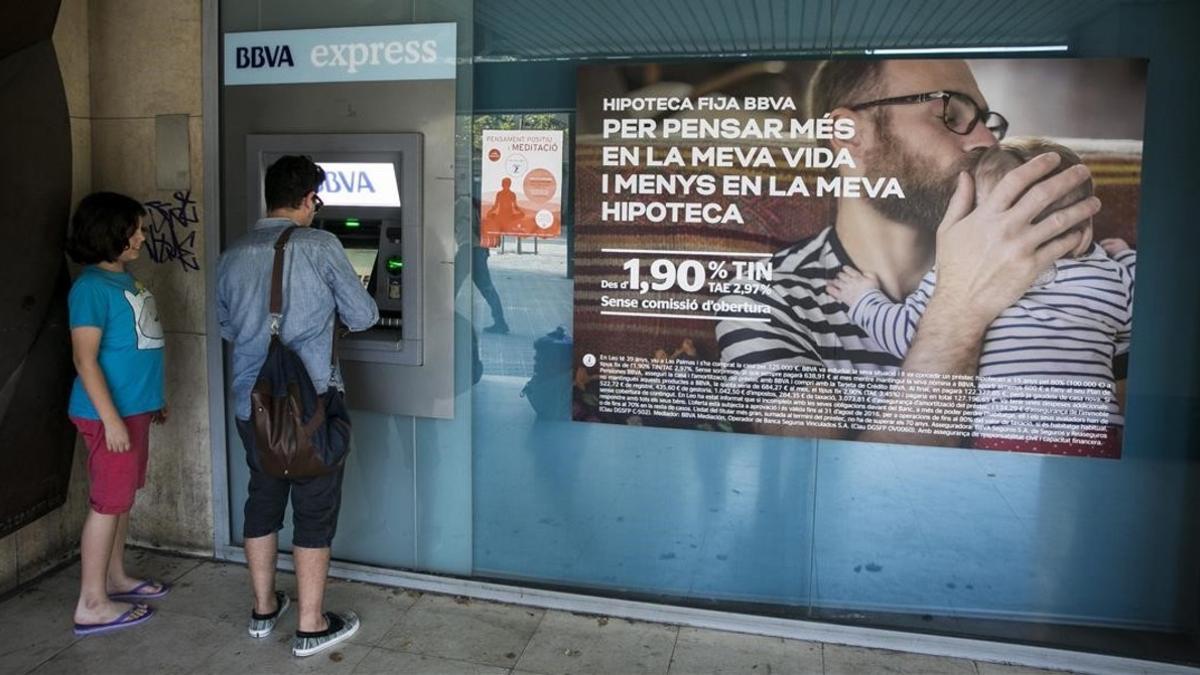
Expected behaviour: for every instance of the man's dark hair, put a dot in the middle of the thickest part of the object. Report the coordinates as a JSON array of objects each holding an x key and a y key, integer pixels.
[
  {"x": 102, "y": 226},
  {"x": 289, "y": 179},
  {"x": 843, "y": 82}
]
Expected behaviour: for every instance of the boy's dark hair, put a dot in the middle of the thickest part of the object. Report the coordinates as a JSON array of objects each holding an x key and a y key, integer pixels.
[
  {"x": 101, "y": 227},
  {"x": 289, "y": 179}
]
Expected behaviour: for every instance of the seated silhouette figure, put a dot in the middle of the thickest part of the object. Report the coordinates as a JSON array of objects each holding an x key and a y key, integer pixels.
[{"x": 505, "y": 208}]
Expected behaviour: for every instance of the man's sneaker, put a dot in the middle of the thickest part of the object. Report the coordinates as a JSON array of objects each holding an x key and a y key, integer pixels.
[
  {"x": 261, "y": 625},
  {"x": 341, "y": 627}
]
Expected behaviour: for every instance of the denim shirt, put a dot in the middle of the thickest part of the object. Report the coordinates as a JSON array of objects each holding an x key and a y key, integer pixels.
[{"x": 317, "y": 279}]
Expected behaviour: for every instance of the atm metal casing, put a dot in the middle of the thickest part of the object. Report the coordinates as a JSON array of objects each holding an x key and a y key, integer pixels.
[{"x": 381, "y": 364}]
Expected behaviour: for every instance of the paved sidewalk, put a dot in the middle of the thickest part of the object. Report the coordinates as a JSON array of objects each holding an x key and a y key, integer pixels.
[{"x": 201, "y": 628}]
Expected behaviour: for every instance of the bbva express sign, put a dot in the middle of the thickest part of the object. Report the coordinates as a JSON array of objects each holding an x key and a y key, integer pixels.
[{"x": 368, "y": 53}]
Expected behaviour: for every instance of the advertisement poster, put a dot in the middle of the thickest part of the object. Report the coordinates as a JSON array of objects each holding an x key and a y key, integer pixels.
[
  {"x": 758, "y": 246},
  {"x": 521, "y": 184}
]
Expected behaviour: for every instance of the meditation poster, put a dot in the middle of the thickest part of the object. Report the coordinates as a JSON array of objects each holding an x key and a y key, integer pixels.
[{"x": 521, "y": 184}]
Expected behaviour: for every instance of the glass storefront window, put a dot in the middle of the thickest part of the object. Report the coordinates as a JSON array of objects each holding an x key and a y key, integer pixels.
[{"x": 1089, "y": 553}]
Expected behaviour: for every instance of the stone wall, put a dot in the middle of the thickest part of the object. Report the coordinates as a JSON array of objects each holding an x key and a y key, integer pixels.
[
  {"x": 146, "y": 62},
  {"x": 124, "y": 64},
  {"x": 54, "y": 537}
]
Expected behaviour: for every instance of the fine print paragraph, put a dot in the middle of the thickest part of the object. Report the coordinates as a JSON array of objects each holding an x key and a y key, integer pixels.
[{"x": 1051, "y": 410}]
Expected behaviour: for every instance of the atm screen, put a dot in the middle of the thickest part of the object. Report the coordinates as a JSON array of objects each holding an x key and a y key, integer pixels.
[
  {"x": 359, "y": 184},
  {"x": 363, "y": 262}
]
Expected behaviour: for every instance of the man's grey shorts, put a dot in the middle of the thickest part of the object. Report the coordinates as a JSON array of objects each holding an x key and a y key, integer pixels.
[{"x": 315, "y": 501}]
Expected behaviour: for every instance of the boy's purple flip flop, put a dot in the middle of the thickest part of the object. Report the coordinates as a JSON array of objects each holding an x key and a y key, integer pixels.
[
  {"x": 126, "y": 620},
  {"x": 135, "y": 594}
]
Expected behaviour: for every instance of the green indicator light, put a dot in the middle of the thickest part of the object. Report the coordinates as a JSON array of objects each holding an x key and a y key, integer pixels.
[
  {"x": 352, "y": 223},
  {"x": 395, "y": 264}
]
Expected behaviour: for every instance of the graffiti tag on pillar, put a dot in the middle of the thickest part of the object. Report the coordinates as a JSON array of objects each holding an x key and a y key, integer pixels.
[{"x": 171, "y": 234}]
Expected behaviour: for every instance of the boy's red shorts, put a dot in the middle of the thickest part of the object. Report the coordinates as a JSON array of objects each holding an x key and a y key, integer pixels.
[{"x": 115, "y": 477}]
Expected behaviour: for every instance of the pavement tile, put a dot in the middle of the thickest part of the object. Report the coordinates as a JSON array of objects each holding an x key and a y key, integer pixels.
[
  {"x": 576, "y": 643},
  {"x": 710, "y": 651},
  {"x": 468, "y": 630}
]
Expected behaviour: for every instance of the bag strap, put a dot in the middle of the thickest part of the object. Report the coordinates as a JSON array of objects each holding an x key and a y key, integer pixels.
[
  {"x": 276, "y": 306},
  {"x": 337, "y": 331}
]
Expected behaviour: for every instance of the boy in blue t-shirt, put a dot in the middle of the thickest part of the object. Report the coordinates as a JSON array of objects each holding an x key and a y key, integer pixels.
[{"x": 117, "y": 345}]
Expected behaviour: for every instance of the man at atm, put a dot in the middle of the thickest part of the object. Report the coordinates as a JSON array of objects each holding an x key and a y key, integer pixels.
[{"x": 319, "y": 284}]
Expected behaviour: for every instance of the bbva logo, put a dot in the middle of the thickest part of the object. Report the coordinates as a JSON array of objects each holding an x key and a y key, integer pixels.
[
  {"x": 258, "y": 57},
  {"x": 346, "y": 181}
]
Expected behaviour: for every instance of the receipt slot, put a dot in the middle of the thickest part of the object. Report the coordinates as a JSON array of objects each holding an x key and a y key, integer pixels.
[{"x": 372, "y": 204}]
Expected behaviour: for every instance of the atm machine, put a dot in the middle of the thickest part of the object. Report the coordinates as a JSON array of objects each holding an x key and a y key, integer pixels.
[{"x": 372, "y": 203}]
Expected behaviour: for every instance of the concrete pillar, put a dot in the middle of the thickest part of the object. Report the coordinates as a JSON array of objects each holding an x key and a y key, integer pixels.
[{"x": 54, "y": 537}]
